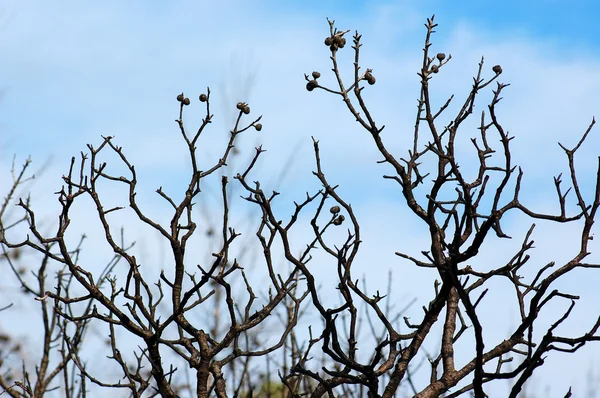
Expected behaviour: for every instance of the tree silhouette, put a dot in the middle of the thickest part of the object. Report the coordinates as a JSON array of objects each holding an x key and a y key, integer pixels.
[{"x": 228, "y": 353}]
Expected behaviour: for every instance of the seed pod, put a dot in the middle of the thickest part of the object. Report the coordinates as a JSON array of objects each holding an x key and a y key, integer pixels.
[
  {"x": 339, "y": 220},
  {"x": 203, "y": 98},
  {"x": 180, "y": 97},
  {"x": 497, "y": 69},
  {"x": 316, "y": 75},
  {"x": 342, "y": 42},
  {"x": 370, "y": 78},
  {"x": 329, "y": 41},
  {"x": 435, "y": 68},
  {"x": 258, "y": 126},
  {"x": 333, "y": 47},
  {"x": 186, "y": 101},
  {"x": 335, "y": 209},
  {"x": 246, "y": 109},
  {"x": 311, "y": 85},
  {"x": 440, "y": 56},
  {"x": 240, "y": 105}
]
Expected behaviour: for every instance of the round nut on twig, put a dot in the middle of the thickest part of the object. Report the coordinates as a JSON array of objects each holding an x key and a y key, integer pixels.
[
  {"x": 440, "y": 56},
  {"x": 339, "y": 220},
  {"x": 370, "y": 78},
  {"x": 311, "y": 85},
  {"x": 180, "y": 97},
  {"x": 497, "y": 69},
  {"x": 316, "y": 75},
  {"x": 258, "y": 126},
  {"x": 329, "y": 41},
  {"x": 186, "y": 101},
  {"x": 335, "y": 209},
  {"x": 246, "y": 109},
  {"x": 203, "y": 98},
  {"x": 342, "y": 42},
  {"x": 435, "y": 68},
  {"x": 240, "y": 105},
  {"x": 333, "y": 47}
]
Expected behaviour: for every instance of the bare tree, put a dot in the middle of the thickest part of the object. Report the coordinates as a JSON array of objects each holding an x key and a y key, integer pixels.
[{"x": 235, "y": 357}]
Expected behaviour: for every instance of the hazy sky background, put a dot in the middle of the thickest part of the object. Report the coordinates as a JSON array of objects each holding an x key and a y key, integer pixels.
[{"x": 72, "y": 71}]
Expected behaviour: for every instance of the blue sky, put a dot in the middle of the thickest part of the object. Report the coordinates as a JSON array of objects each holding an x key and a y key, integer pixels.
[{"x": 73, "y": 71}]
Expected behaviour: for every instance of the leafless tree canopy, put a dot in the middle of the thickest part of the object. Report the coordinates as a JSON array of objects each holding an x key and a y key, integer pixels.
[{"x": 157, "y": 344}]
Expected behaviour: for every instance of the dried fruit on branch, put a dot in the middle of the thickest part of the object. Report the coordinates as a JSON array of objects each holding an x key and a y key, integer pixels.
[
  {"x": 370, "y": 78},
  {"x": 339, "y": 220},
  {"x": 311, "y": 85}
]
